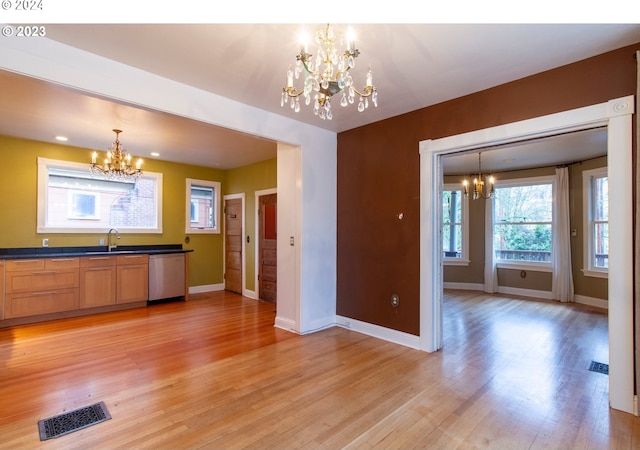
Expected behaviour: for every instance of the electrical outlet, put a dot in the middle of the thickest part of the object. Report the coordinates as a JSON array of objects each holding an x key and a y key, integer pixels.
[
  {"x": 45, "y": 242},
  {"x": 101, "y": 241}
]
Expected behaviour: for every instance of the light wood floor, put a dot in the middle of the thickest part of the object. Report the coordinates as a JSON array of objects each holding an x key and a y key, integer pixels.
[{"x": 215, "y": 373}]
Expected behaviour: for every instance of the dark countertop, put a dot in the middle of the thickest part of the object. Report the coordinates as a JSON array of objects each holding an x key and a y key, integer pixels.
[{"x": 57, "y": 252}]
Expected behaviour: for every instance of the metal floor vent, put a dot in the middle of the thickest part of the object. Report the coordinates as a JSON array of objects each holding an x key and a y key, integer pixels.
[
  {"x": 599, "y": 367},
  {"x": 71, "y": 421}
]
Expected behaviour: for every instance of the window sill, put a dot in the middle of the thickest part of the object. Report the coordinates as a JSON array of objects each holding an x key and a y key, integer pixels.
[
  {"x": 540, "y": 267},
  {"x": 202, "y": 231},
  {"x": 595, "y": 273},
  {"x": 456, "y": 262}
]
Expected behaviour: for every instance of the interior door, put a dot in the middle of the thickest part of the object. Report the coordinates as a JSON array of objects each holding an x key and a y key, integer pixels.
[
  {"x": 268, "y": 248},
  {"x": 233, "y": 245}
]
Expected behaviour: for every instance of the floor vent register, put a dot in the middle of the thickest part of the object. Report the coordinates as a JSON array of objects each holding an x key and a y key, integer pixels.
[{"x": 71, "y": 421}]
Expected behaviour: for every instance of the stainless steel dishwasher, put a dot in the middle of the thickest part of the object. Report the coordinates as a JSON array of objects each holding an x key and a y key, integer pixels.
[{"x": 166, "y": 276}]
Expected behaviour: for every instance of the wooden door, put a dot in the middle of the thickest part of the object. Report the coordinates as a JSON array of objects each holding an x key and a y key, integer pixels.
[
  {"x": 268, "y": 248},
  {"x": 233, "y": 245}
]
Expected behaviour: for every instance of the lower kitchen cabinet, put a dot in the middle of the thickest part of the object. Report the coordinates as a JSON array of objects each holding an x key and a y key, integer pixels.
[
  {"x": 1, "y": 289},
  {"x": 132, "y": 278},
  {"x": 43, "y": 302},
  {"x": 98, "y": 277},
  {"x": 40, "y": 286}
]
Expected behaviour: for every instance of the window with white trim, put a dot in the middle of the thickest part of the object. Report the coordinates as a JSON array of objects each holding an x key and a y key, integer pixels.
[
  {"x": 595, "y": 192},
  {"x": 522, "y": 222},
  {"x": 455, "y": 228},
  {"x": 203, "y": 206},
  {"x": 72, "y": 200}
]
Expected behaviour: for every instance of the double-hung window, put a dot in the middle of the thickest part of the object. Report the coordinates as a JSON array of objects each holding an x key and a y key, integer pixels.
[
  {"x": 595, "y": 189},
  {"x": 203, "y": 206},
  {"x": 455, "y": 229},
  {"x": 522, "y": 222}
]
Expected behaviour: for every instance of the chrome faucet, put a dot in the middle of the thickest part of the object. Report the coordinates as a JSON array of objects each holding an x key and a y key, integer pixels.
[{"x": 112, "y": 246}]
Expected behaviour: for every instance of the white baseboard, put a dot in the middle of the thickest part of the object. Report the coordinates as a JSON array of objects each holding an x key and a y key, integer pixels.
[
  {"x": 250, "y": 294},
  {"x": 582, "y": 299},
  {"x": 547, "y": 295},
  {"x": 464, "y": 286},
  {"x": 285, "y": 324},
  {"x": 591, "y": 301},
  {"x": 206, "y": 288},
  {"x": 386, "y": 334}
]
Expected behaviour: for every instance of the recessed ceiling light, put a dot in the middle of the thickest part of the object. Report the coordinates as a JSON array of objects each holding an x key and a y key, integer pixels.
[
  {"x": 62, "y": 138},
  {"x": 155, "y": 154}
]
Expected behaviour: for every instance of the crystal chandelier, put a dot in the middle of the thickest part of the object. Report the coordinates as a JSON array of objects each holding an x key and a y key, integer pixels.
[
  {"x": 479, "y": 184},
  {"x": 117, "y": 164},
  {"x": 327, "y": 75}
]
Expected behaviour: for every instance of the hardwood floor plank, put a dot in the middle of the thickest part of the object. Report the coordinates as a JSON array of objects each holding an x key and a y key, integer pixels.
[{"x": 215, "y": 373}]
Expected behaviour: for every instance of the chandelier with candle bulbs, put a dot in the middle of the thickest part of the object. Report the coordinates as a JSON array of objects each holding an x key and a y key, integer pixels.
[
  {"x": 117, "y": 164},
  {"x": 479, "y": 190},
  {"x": 326, "y": 75}
]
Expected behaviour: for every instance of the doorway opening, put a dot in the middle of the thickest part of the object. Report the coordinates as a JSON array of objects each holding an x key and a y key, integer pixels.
[
  {"x": 233, "y": 243},
  {"x": 616, "y": 115},
  {"x": 267, "y": 248}
]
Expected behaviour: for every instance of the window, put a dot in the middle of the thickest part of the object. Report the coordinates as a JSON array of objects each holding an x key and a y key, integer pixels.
[
  {"x": 72, "y": 200},
  {"x": 522, "y": 228},
  {"x": 83, "y": 205},
  {"x": 455, "y": 230},
  {"x": 203, "y": 206},
  {"x": 595, "y": 189}
]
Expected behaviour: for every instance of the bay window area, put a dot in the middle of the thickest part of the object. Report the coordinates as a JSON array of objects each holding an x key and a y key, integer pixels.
[
  {"x": 595, "y": 191},
  {"x": 455, "y": 226},
  {"x": 523, "y": 221}
]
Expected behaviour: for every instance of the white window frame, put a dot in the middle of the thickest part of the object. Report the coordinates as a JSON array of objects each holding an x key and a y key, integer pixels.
[
  {"x": 540, "y": 266},
  {"x": 215, "y": 185},
  {"x": 589, "y": 270},
  {"x": 464, "y": 257},
  {"x": 44, "y": 164}
]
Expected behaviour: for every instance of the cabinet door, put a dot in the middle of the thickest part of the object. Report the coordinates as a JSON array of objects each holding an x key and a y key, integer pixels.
[
  {"x": 97, "y": 286},
  {"x": 133, "y": 283}
]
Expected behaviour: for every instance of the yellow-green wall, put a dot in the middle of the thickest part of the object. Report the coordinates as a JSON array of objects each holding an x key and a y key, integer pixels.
[
  {"x": 18, "y": 181},
  {"x": 248, "y": 180}
]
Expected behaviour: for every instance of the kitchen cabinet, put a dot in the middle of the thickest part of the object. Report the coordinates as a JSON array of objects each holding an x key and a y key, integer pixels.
[
  {"x": 40, "y": 286},
  {"x": 1, "y": 289},
  {"x": 98, "y": 276},
  {"x": 132, "y": 278}
]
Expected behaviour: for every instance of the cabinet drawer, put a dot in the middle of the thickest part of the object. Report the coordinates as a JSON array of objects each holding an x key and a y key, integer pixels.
[
  {"x": 124, "y": 260},
  {"x": 98, "y": 261},
  {"x": 61, "y": 263},
  {"x": 25, "y": 264},
  {"x": 40, "y": 280},
  {"x": 45, "y": 302}
]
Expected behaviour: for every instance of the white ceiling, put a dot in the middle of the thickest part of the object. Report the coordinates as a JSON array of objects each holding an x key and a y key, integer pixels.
[{"x": 414, "y": 66}]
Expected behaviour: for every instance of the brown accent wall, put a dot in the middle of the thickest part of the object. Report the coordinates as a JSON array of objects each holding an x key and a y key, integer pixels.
[{"x": 378, "y": 178}]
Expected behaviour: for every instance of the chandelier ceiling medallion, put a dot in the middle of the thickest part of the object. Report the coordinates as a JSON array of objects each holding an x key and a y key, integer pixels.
[
  {"x": 327, "y": 75},
  {"x": 479, "y": 184},
  {"x": 117, "y": 164}
]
